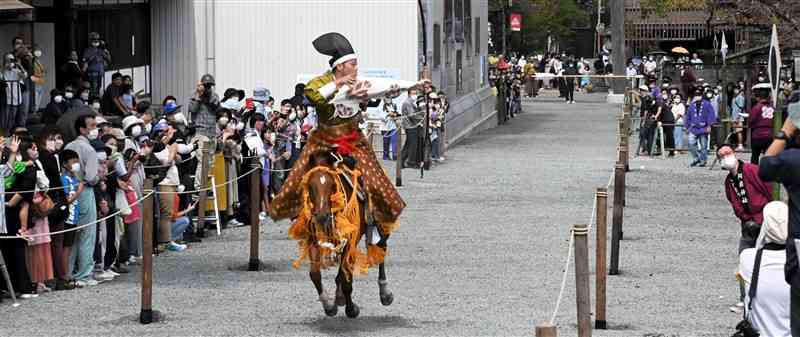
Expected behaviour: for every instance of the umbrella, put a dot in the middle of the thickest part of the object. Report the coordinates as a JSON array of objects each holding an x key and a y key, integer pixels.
[{"x": 680, "y": 50}]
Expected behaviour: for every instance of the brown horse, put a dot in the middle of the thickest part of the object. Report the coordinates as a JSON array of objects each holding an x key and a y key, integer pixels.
[{"x": 321, "y": 186}]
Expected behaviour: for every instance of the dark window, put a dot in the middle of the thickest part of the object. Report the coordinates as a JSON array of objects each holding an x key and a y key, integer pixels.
[
  {"x": 437, "y": 45},
  {"x": 477, "y": 36},
  {"x": 468, "y": 35}
]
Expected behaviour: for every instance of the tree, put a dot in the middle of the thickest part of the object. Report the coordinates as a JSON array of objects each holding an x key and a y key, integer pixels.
[{"x": 557, "y": 18}]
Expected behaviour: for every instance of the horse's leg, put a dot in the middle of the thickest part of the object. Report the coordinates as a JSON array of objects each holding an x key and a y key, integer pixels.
[
  {"x": 351, "y": 309},
  {"x": 383, "y": 285},
  {"x": 315, "y": 273}
]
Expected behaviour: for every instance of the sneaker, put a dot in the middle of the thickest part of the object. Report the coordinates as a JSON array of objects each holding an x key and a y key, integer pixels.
[
  {"x": 174, "y": 247},
  {"x": 112, "y": 272},
  {"x": 86, "y": 283},
  {"x": 119, "y": 269},
  {"x": 103, "y": 276},
  {"x": 28, "y": 296},
  {"x": 135, "y": 260}
]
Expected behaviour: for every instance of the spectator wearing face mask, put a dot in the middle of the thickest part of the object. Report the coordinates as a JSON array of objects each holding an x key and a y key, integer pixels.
[
  {"x": 699, "y": 118},
  {"x": 678, "y": 112},
  {"x": 95, "y": 60},
  {"x": 71, "y": 70},
  {"x": 746, "y": 192},
  {"x": 113, "y": 103},
  {"x": 667, "y": 120},
  {"x": 55, "y": 108},
  {"x": 133, "y": 128},
  {"x": 12, "y": 77},
  {"x": 768, "y": 300},
  {"x": 738, "y": 115},
  {"x": 760, "y": 122},
  {"x": 38, "y": 74}
]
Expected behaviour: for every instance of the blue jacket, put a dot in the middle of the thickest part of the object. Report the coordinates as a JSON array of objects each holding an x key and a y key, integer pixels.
[{"x": 697, "y": 121}]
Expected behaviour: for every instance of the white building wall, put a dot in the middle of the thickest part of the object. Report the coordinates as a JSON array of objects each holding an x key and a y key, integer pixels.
[
  {"x": 173, "y": 49},
  {"x": 268, "y": 43}
]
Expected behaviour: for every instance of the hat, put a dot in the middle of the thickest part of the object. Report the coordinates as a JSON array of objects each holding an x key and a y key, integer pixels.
[
  {"x": 433, "y": 95},
  {"x": 644, "y": 88},
  {"x": 118, "y": 134},
  {"x": 775, "y": 226},
  {"x": 336, "y": 46},
  {"x": 100, "y": 120},
  {"x": 171, "y": 108},
  {"x": 160, "y": 126},
  {"x": 129, "y": 121},
  {"x": 261, "y": 94},
  {"x": 99, "y": 146}
]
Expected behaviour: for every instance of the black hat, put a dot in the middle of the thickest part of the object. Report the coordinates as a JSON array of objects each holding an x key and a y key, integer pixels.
[{"x": 336, "y": 46}]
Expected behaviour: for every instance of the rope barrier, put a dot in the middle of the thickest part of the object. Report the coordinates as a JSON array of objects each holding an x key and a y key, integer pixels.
[
  {"x": 592, "y": 220},
  {"x": 206, "y": 189},
  {"x": 28, "y": 237}
]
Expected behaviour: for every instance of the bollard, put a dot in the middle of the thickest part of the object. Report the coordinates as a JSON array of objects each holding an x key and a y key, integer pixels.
[
  {"x": 546, "y": 330},
  {"x": 600, "y": 258},
  {"x": 623, "y": 154},
  {"x": 398, "y": 173},
  {"x": 582, "y": 294},
  {"x": 147, "y": 315},
  {"x": 201, "y": 204},
  {"x": 616, "y": 220},
  {"x": 255, "y": 208}
]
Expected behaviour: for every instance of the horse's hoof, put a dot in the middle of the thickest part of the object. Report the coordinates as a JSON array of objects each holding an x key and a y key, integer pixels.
[
  {"x": 328, "y": 304},
  {"x": 352, "y": 310},
  {"x": 387, "y": 298},
  {"x": 340, "y": 300}
]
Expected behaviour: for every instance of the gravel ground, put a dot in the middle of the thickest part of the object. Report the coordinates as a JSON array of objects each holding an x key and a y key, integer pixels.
[{"x": 480, "y": 252}]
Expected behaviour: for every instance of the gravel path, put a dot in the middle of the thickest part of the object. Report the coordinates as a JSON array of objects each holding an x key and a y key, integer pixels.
[{"x": 480, "y": 252}]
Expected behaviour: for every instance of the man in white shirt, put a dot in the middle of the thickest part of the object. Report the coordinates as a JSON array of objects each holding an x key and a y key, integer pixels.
[{"x": 768, "y": 303}]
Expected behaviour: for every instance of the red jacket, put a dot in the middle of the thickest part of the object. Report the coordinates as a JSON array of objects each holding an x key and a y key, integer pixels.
[
  {"x": 760, "y": 120},
  {"x": 759, "y": 192}
]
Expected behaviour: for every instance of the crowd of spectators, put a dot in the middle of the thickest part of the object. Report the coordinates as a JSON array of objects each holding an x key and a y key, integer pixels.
[{"x": 83, "y": 175}]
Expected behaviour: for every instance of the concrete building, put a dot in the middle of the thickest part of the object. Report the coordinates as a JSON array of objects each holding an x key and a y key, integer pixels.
[{"x": 168, "y": 45}]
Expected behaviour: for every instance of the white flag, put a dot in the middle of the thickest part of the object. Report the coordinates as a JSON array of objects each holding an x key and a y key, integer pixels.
[
  {"x": 723, "y": 49},
  {"x": 774, "y": 67}
]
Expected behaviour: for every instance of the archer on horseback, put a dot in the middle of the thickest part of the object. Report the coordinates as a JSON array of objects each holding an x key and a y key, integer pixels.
[{"x": 337, "y": 190}]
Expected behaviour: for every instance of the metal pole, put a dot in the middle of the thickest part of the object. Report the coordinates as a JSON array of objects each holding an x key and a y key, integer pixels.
[
  {"x": 203, "y": 195},
  {"x": 255, "y": 207},
  {"x": 9, "y": 286},
  {"x": 616, "y": 221},
  {"x": 582, "y": 293},
  {"x": 147, "y": 315},
  {"x": 600, "y": 258}
]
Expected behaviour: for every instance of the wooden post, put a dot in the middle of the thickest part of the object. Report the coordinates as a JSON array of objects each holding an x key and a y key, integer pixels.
[
  {"x": 255, "y": 207},
  {"x": 398, "y": 173},
  {"x": 203, "y": 195},
  {"x": 582, "y": 293},
  {"x": 546, "y": 330},
  {"x": 600, "y": 258},
  {"x": 616, "y": 221},
  {"x": 147, "y": 315},
  {"x": 623, "y": 153}
]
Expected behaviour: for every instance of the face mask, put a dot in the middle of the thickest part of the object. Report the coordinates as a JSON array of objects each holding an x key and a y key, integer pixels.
[
  {"x": 136, "y": 130},
  {"x": 101, "y": 156},
  {"x": 148, "y": 127},
  {"x": 96, "y": 106},
  {"x": 58, "y": 99},
  {"x": 729, "y": 162},
  {"x": 85, "y": 96},
  {"x": 665, "y": 96},
  {"x": 170, "y": 101},
  {"x": 240, "y": 126},
  {"x": 95, "y": 44},
  {"x": 292, "y": 116},
  {"x": 709, "y": 96},
  {"x": 59, "y": 144},
  {"x": 75, "y": 168},
  {"x": 37, "y": 53},
  {"x": 93, "y": 134},
  {"x": 50, "y": 146},
  {"x": 69, "y": 95},
  {"x": 272, "y": 138},
  {"x": 223, "y": 121}
]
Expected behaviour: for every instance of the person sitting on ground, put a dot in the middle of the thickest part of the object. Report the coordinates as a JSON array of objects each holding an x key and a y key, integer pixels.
[
  {"x": 746, "y": 192},
  {"x": 768, "y": 294}
]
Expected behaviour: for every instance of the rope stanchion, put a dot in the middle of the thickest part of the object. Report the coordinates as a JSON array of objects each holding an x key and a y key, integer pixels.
[
  {"x": 582, "y": 294},
  {"x": 254, "y": 263},
  {"x": 203, "y": 180},
  {"x": 147, "y": 315}
]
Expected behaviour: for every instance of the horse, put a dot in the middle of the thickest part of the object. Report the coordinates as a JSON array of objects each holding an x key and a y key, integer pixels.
[{"x": 339, "y": 174}]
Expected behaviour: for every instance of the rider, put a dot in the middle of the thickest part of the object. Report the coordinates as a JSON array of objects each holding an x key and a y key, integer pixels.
[{"x": 339, "y": 134}]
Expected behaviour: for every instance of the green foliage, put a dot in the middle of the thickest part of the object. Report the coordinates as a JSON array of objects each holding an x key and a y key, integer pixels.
[{"x": 555, "y": 17}]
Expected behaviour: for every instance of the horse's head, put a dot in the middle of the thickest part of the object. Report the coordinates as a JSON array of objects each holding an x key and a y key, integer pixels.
[{"x": 321, "y": 186}]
